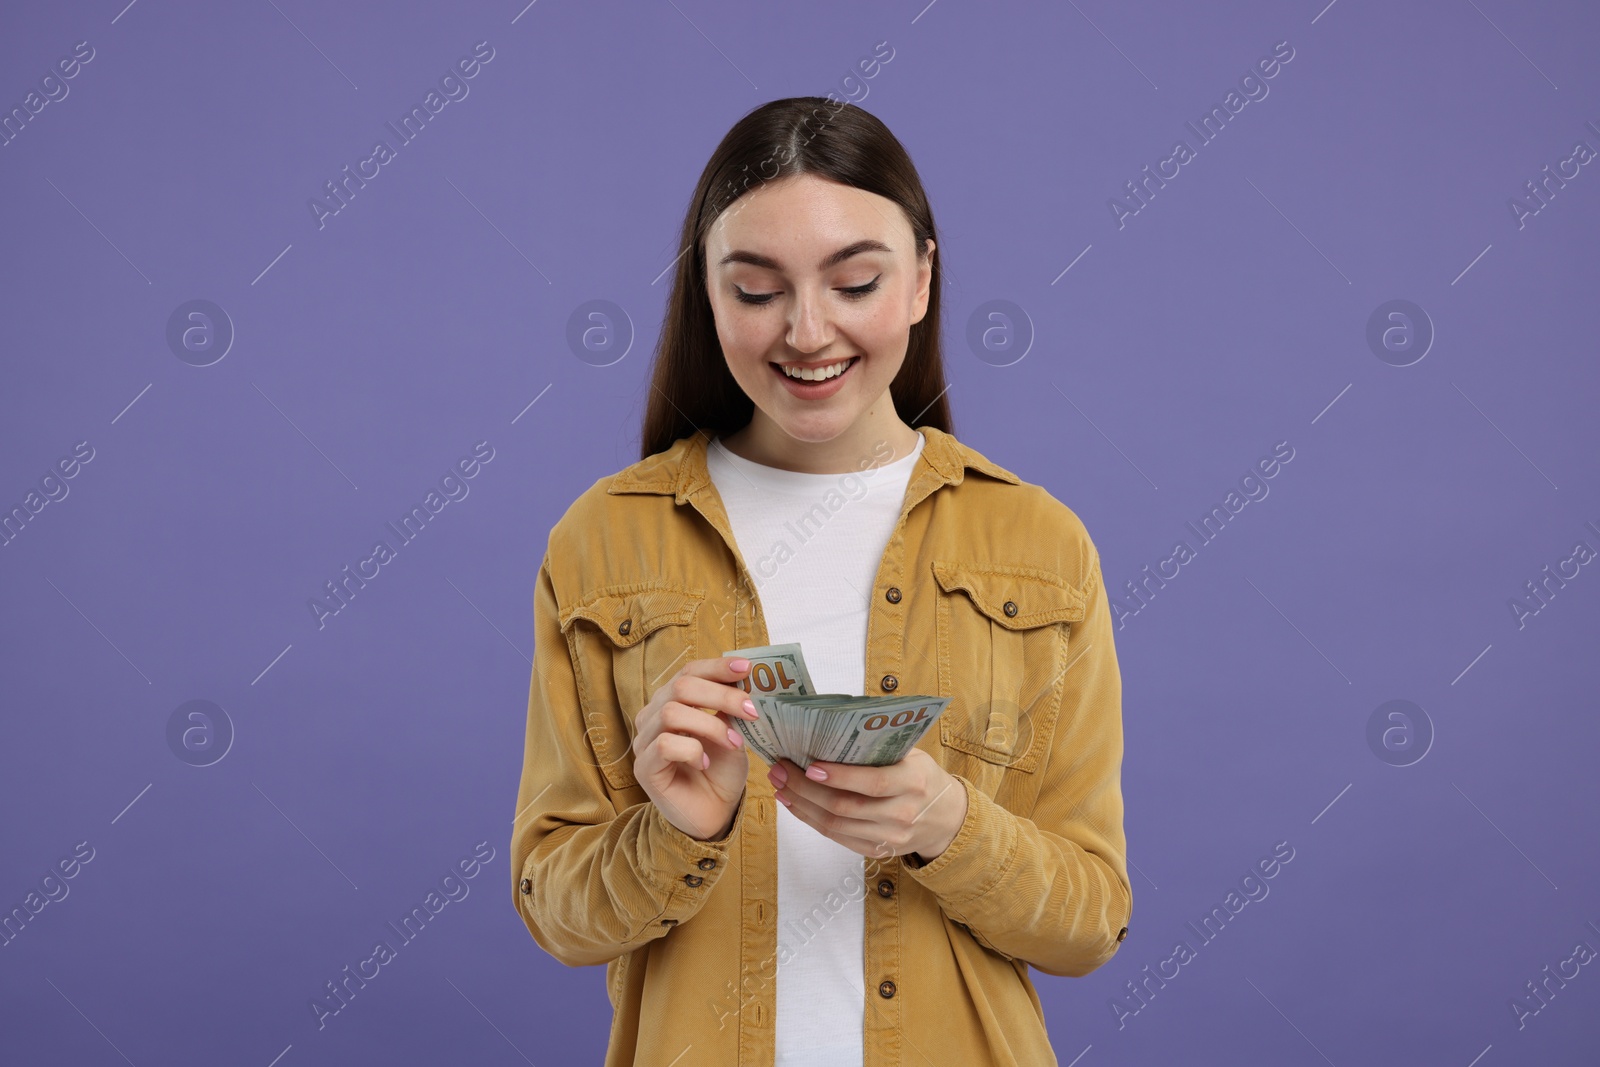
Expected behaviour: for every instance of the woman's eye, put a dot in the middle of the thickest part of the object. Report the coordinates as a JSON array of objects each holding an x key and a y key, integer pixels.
[{"x": 853, "y": 293}]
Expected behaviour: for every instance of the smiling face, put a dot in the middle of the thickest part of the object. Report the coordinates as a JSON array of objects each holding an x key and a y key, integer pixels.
[{"x": 809, "y": 274}]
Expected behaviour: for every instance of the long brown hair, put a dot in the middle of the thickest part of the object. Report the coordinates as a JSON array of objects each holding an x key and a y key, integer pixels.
[{"x": 691, "y": 387}]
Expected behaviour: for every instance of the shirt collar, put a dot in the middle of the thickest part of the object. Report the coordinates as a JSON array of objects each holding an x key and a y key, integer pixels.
[{"x": 681, "y": 469}]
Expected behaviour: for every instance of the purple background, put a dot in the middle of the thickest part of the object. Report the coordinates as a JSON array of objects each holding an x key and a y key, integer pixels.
[{"x": 371, "y": 754}]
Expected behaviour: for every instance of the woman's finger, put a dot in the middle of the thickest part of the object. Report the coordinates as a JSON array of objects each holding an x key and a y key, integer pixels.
[
  {"x": 821, "y": 816},
  {"x": 863, "y": 838},
  {"x": 680, "y": 748},
  {"x": 710, "y": 728},
  {"x": 698, "y": 691}
]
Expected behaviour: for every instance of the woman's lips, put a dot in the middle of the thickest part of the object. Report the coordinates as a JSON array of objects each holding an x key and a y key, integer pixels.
[{"x": 816, "y": 390}]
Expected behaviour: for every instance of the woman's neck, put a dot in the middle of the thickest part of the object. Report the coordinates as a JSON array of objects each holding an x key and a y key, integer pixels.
[{"x": 859, "y": 448}]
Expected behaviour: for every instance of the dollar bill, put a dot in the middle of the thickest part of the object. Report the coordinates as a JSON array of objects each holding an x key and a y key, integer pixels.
[
  {"x": 774, "y": 669},
  {"x": 798, "y": 723}
]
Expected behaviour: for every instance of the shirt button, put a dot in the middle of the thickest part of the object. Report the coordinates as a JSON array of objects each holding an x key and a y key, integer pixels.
[
  {"x": 885, "y": 989},
  {"x": 892, "y": 594},
  {"x": 526, "y": 886},
  {"x": 1010, "y": 608},
  {"x": 627, "y": 624},
  {"x": 692, "y": 880},
  {"x": 886, "y": 888},
  {"x": 707, "y": 863},
  {"x": 890, "y": 683},
  {"x": 1122, "y": 934}
]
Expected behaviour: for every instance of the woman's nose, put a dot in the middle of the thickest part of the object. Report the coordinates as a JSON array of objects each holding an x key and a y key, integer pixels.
[{"x": 809, "y": 329}]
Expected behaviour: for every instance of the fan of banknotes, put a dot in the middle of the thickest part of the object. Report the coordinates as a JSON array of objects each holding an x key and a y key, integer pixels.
[{"x": 797, "y": 722}]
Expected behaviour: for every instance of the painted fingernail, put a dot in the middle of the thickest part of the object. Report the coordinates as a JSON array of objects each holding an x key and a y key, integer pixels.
[
  {"x": 740, "y": 664},
  {"x": 783, "y": 800},
  {"x": 816, "y": 774},
  {"x": 705, "y": 760},
  {"x": 734, "y": 737},
  {"x": 749, "y": 708},
  {"x": 778, "y": 774}
]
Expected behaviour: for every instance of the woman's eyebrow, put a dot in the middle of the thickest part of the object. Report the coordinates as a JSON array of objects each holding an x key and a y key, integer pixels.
[{"x": 755, "y": 259}]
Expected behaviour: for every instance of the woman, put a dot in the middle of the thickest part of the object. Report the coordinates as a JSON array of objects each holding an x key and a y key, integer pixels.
[{"x": 861, "y": 915}]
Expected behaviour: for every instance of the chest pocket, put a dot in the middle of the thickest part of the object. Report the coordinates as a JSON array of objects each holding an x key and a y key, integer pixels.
[
  {"x": 1002, "y": 634},
  {"x": 632, "y": 640}
]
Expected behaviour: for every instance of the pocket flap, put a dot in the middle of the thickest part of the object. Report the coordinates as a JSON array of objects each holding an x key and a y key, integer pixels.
[
  {"x": 1035, "y": 596},
  {"x": 630, "y": 615}
]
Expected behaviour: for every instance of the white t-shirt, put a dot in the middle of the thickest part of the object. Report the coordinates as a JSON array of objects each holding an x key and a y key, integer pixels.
[{"x": 812, "y": 544}]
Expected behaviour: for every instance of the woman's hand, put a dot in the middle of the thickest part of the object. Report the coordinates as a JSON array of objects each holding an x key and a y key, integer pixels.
[
  {"x": 914, "y": 805},
  {"x": 686, "y": 755}
]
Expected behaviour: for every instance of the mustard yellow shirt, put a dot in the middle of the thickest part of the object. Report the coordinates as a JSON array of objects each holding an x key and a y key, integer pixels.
[{"x": 990, "y": 593}]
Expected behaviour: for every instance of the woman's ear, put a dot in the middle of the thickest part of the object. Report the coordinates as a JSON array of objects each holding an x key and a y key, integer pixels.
[{"x": 919, "y": 300}]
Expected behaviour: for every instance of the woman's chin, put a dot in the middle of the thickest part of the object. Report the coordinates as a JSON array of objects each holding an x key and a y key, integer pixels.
[{"x": 817, "y": 428}]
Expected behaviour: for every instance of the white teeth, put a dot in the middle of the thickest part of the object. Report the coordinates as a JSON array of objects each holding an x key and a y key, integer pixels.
[{"x": 819, "y": 375}]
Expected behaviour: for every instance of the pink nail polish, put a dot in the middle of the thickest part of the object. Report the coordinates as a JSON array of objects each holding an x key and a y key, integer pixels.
[
  {"x": 816, "y": 774},
  {"x": 735, "y": 738},
  {"x": 783, "y": 800}
]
